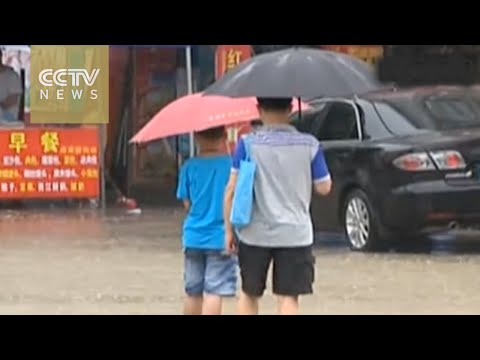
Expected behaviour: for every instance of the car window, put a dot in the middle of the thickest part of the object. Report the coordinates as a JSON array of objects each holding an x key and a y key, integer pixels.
[
  {"x": 310, "y": 119},
  {"x": 395, "y": 120},
  {"x": 452, "y": 113},
  {"x": 372, "y": 125},
  {"x": 340, "y": 123},
  {"x": 318, "y": 105},
  {"x": 440, "y": 112}
]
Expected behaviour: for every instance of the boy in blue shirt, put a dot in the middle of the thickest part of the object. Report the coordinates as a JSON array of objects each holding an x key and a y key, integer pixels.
[{"x": 210, "y": 273}]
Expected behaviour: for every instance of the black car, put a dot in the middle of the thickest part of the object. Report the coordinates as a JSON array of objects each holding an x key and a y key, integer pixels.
[{"x": 403, "y": 162}]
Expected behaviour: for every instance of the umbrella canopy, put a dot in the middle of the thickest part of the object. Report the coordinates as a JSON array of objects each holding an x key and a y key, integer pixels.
[
  {"x": 195, "y": 112},
  {"x": 297, "y": 72}
]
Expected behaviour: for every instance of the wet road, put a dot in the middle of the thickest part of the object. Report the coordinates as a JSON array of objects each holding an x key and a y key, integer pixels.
[{"x": 83, "y": 263}]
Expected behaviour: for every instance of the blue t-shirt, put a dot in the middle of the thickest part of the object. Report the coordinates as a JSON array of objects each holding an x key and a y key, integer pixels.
[{"x": 202, "y": 182}]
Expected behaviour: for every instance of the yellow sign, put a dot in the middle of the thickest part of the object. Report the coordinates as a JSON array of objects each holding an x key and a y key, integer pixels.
[
  {"x": 233, "y": 59},
  {"x": 69, "y": 84},
  {"x": 369, "y": 54}
]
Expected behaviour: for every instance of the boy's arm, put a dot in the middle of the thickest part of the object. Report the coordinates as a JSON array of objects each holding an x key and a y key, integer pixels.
[
  {"x": 321, "y": 175},
  {"x": 227, "y": 209},
  {"x": 238, "y": 157},
  {"x": 183, "y": 192}
]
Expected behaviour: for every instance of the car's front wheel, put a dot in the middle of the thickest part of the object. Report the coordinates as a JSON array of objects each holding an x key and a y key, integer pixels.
[{"x": 361, "y": 225}]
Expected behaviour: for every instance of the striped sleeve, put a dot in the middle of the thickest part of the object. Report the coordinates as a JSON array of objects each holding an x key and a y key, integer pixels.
[{"x": 320, "y": 172}]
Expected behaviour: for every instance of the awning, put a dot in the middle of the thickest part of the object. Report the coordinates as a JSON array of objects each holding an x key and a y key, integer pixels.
[
  {"x": 27, "y": 47},
  {"x": 16, "y": 47},
  {"x": 150, "y": 46}
]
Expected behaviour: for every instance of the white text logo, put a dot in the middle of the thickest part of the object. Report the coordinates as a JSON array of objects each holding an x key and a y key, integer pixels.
[
  {"x": 66, "y": 77},
  {"x": 48, "y": 77}
]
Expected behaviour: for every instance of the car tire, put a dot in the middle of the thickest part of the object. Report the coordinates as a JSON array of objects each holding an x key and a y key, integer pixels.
[{"x": 361, "y": 224}]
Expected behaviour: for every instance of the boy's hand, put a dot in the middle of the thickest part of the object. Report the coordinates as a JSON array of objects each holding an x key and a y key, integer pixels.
[{"x": 230, "y": 245}]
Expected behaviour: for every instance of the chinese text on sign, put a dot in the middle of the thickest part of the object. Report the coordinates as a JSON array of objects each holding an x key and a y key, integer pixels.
[{"x": 51, "y": 163}]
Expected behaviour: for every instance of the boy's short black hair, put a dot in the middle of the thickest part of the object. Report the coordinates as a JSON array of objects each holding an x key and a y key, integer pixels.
[
  {"x": 275, "y": 104},
  {"x": 215, "y": 133},
  {"x": 256, "y": 122}
]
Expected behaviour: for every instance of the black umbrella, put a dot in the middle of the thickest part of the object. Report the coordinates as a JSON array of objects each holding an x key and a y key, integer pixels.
[{"x": 297, "y": 72}]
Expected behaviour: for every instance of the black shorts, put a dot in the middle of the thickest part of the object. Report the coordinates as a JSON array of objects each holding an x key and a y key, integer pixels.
[{"x": 293, "y": 270}]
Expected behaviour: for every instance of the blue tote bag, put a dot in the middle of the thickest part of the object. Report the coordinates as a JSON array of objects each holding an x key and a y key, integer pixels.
[{"x": 242, "y": 205}]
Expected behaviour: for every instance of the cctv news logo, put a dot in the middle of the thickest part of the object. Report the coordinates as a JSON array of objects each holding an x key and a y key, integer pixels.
[
  {"x": 71, "y": 84},
  {"x": 74, "y": 78}
]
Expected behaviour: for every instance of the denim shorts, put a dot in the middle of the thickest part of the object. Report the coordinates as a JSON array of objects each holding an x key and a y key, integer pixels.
[{"x": 210, "y": 272}]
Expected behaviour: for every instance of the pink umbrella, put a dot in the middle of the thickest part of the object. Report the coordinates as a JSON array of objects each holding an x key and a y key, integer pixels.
[{"x": 195, "y": 113}]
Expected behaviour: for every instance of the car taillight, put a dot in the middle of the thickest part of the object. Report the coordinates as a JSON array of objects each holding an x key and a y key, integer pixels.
[
  {"x": 414, "y": 162},
  {"x": 448, "y": 160},
  {"x": 441, "y": 160}
]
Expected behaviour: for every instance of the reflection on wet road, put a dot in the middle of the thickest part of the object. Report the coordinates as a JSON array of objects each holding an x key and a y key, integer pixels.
[{"x": 85, "y": 263}]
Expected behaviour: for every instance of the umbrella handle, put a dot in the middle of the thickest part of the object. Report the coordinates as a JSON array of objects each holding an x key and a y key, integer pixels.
[{"x": 229, "y": 150}]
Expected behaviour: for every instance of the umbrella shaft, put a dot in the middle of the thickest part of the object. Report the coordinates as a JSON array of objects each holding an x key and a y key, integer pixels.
[{"x": 188, "y": 61}]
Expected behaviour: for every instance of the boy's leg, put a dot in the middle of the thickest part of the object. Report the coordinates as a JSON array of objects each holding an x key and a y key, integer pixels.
[
  {"x": 248, "y": 305},
  {"x": 194, "y": 282},
  {"x": 288, "y": 305},
  {"x": 254, "y": 263},
  {"x": 293, "y": 276},
  {"x": 212, "y": 305},
  {"x": 220, "y": 281},
  {"x": 192, "y": 306}
]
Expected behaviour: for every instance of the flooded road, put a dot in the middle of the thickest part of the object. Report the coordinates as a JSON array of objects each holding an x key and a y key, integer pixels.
[{"x": 83, "y": 263}]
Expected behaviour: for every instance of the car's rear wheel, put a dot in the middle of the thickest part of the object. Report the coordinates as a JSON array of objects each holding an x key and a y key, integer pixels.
[
  {"x": 361, "y": 223},
  {"x": 365, "y": 232}
]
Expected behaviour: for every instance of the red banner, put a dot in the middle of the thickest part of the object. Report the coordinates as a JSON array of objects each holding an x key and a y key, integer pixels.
[
  {"x": 227, "y": 58},
  {"x": 49, "y": 163}
]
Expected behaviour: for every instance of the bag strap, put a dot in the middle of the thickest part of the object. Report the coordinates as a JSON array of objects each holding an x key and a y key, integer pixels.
[{"x": 247, "y": 141}]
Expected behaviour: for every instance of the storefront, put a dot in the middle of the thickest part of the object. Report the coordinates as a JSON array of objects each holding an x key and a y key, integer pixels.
[
  {"x": 45, "y": 162},
  {"x": 143, "y": 81},
  {"x": 151, "y": 78}
]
